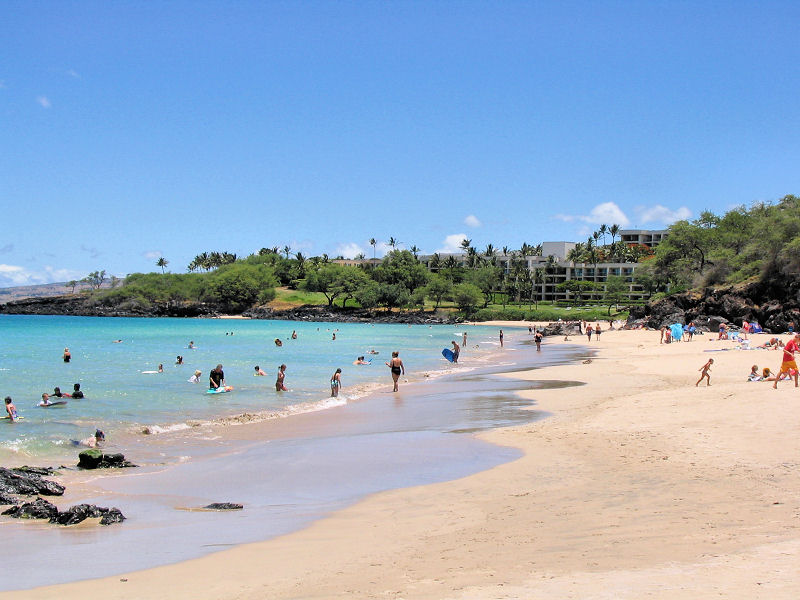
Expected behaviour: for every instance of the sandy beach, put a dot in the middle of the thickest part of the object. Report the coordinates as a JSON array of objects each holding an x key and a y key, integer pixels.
[{"x": 638, "y": 484}]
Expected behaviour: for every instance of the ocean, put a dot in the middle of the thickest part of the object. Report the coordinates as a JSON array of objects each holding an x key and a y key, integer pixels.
[{"x": 122, "y": 398}]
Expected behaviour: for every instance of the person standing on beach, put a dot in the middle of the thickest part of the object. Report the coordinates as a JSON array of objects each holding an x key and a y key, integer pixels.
[
  {"x": 589, "y": 332},
  {"x": 597, "y": 332},
  {"x": 397, "y": 367},
  {"x": 216, "y": 378},
  {"x": 537, "y": 338},
  {"x": 501, "y": 338},
  {"x": 789, "y": 365},
  {"x": 336, "y": 383},
  {"x": 705, "y": 373},
  {"x": 280, "y": 386},
  {"x": 456, "y": 351},
  {"x": 67, "y": 356}
]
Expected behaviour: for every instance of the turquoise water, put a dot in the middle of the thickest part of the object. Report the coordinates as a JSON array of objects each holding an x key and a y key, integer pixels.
[{"x": 121, "y": 398}]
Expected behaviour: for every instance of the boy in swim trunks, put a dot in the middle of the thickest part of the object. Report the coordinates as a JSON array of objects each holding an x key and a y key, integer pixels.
[
  {"x": 11, "y": 409},
  {"x": 789, "y": 365}
]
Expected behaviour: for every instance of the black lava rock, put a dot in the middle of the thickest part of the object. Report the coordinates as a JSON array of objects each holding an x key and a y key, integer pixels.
[
  {"x": 17, "y": 481},
  {"x": 224, "y": 506},
  {"x": 38, "y": 509}
]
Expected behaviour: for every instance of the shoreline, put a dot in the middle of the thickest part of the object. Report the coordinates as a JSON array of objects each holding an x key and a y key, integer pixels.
[
  {"x": 186, "y": 484},
  {"x": 638, "y": 484}
]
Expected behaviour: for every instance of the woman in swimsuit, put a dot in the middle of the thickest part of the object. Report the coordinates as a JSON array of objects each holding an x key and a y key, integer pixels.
[
  {"x": 336, "y": 383},
  {"x": 279, "y": 385},
  {"x": 396, "y": 365}
]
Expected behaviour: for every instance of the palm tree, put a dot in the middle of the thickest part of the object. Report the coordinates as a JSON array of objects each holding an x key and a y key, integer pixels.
[
  {"x": 162, "y": 262},
  {"x": 72, "y": 283},
  {"x": 614, "y": 231},
  {"x": 550, "y": 268},
  {"x": 466, "y": 244},
  {"x": 603, "y": 230},
  {"x": 414, "y": 250},
  {"x": 373, "y": 242},
  {"x": 287, "y": 251},
  {"x": 393, "y": 242},
  {"x": 435, "y": 262}
]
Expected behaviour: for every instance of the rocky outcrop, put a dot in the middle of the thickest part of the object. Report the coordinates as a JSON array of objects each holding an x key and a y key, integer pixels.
[
  {"x": 775, "y": 308},
  {"x": 25, "y": 483},
  {"x": 346, "y": 315},
  {"x": 88, "y": 306},
  {"x": 97, "y": 459}
]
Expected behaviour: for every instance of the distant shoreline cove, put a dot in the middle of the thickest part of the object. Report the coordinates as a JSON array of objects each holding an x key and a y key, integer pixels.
[{"x": 88, "y": 307}]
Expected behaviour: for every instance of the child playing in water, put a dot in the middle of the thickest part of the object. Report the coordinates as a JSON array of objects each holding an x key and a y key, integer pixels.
[
  {"x": 704, "y": 375},
  {"x": 11, "y": 409}
]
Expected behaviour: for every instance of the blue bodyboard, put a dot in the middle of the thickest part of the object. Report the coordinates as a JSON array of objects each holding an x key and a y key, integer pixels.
[{"x": 448, "y": 354}]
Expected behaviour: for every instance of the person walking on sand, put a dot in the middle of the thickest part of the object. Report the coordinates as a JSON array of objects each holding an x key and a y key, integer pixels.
[
  {"x": 397, "y": 367},
  {"x": 789, "y": 365},
  {"x": 280, "y": 385},
  {"x": 336, "y": 383},
  {"x": 456, "y": 351},
  {"x": 589, "y": 332},
  {"x": 705, "y": 369},
  {"x": 501, "y": 338}
]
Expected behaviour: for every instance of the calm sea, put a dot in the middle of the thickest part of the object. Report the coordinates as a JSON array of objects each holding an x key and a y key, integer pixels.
[{"x": 122, "y": 398}]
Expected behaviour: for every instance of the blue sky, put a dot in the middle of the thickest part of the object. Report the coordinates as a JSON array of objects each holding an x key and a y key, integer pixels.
[{"x": 133, "y": 130}]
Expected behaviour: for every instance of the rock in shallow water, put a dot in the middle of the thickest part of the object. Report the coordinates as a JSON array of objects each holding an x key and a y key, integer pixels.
[
  {"x": 97, "y": 459},
  {"x": 81, "y": 512},
  {"x": 38, "y": 509},
  {"x": 224, "y": 506},
  {"x": 42, "y": 509}
]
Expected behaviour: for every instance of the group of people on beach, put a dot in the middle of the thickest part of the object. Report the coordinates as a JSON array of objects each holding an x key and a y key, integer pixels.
[{"x": 787, "y": 371}]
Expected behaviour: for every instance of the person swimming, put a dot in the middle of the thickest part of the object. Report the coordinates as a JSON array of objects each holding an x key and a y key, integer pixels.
[
  {"x": 76, "y": 391},
  {"x": 278, "y": 342},
  {"x": 259, "y": 372},
  {"x": 360, "y": 361}
]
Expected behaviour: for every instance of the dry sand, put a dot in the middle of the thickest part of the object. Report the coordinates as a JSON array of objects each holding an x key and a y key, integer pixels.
[{"x": 640, "y": 485}]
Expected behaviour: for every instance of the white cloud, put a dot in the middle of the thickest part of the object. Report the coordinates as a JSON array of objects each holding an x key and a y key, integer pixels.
[
  {"x": 13, "y": 275},
  {"x": 43, "y": 101},
  {"x": 607, "y": 212},
  {"x": 452, "y": 243},
  {"x": 73, "y": 73},
  {"x": 152, "y": 255},
  {"x": 662, "y": 214},
  {"x": 350, "y": 250},
  {"x": 472, "y": 221}
]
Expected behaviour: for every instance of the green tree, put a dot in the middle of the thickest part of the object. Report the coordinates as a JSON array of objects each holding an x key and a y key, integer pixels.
[
  {"x": 467, "y": 297},
  {"x": 439, "y": 288},
  {"x": 162, "y": 262},
  {"x": 616, "y": 291}
]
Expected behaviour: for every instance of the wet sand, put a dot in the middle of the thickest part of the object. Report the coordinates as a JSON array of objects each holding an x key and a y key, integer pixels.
[{"x": 638, "y": 484}]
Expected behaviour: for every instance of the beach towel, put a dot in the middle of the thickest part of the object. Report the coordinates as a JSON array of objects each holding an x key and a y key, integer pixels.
[{"x": 677, "y": 332}]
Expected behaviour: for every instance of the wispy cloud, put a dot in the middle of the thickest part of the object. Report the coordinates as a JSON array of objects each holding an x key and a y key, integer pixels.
[
  {"x": 7, "y": 248},
  {"x": 43, "y": 101},
  {"x": 93, "y": 252},
  {"x": 472, "y": 221},
  {"x": 349, "y": 250},
  {"x": 452, "y": 243},
  {"x": 607, "y": 212},
  {"x": 73, "y": 73},
  {"x": 152, "y": 255},
  {"x": 662, "y": 214}
]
